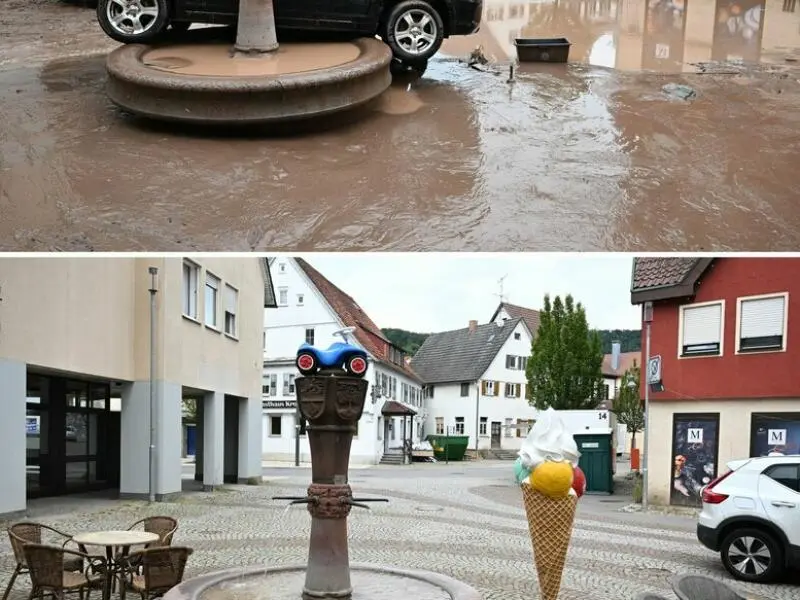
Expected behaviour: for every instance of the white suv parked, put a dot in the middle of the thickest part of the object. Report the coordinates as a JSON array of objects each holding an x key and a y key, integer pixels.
[{"x": 751, "y": 516}]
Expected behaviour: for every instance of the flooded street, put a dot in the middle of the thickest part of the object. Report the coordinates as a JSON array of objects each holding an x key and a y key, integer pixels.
[{"x": 589, "y": 156}]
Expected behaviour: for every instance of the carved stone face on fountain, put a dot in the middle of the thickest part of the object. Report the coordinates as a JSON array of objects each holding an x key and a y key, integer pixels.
[{"x": 332, "y": 404}]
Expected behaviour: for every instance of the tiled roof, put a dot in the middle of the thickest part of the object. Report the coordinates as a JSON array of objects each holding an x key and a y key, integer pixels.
[
  {"x": 390, "y": 407},
  {"x": 351, "y": 314},
  {"x": 530, "y": 316},
  {"x": 652, "y": 272},
  {"x": 460, "y": 355},
  {"x": 626, "y": 360}
]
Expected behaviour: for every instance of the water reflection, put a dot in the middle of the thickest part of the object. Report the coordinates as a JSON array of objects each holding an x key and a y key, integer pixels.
[{"x": 651, "y": 35}]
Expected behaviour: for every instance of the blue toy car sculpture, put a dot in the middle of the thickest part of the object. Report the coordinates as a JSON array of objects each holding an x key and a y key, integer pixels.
[{"x": 339, "y": 355}]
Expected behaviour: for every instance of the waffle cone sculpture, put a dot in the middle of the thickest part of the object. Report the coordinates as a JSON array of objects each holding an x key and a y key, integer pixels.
[{"x": 550, "y": 523}]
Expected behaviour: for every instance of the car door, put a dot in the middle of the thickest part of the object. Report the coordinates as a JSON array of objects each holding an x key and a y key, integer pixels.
[
  {"x": 330, "y": 15},
  {"x": 779, "y": 491}
]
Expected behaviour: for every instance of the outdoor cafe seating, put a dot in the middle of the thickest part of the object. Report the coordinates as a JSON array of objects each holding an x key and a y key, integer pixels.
[{"x": 152, "y": 568}]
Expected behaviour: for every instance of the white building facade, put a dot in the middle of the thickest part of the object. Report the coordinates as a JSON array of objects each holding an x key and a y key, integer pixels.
[
  {"x": 310, "y": 309},
  {"x": 475, "y": 383}
]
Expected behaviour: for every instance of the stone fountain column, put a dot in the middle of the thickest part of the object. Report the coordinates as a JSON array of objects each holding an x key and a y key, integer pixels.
[{"x": 332, "y": 404}]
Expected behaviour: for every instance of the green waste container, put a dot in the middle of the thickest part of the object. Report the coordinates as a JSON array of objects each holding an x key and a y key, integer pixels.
[
  {"x": 596, "y": 463},
  {"x": 456, "y": 446}
]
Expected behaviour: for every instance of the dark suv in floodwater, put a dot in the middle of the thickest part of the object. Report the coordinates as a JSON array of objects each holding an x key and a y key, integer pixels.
[{"x": 413, "y": 29}]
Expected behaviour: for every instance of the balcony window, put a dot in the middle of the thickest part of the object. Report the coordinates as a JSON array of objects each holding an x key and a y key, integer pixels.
[
  {"x": 211, "y": 300},
  {"x": 701, "y": 329},
  {"x": 231, "y": 302},
  {"x": 762, "y": 323}
]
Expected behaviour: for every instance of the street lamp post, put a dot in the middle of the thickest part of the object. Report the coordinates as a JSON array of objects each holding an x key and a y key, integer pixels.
[
  {"x": 152, "y": 450},
  {"x": 647, "y": 317}
]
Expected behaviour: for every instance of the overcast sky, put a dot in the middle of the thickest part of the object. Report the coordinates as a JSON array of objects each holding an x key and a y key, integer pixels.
[{"x": 428, "y": 292}]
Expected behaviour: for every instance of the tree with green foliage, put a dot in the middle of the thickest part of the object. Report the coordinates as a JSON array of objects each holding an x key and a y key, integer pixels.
[
  {"x": 409, "y": 341},
  {"x": 565, "y": 368},
  {"x": 630, "y": 340},
  {"x": 627, "y": 406}
]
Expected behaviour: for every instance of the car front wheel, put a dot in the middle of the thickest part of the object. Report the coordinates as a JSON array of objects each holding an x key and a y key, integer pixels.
[
  {"x": 752, "y": 555},
  {"x": 414, "y": 31},
  {"x": 133, "y": 21}
]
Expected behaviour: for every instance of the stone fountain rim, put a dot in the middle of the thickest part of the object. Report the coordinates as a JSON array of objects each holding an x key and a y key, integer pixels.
[
  {"x": 191, "y": 589},
  {"x": 125, "y": 64}
]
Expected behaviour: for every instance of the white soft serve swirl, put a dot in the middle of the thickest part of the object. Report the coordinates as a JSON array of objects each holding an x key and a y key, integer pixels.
[{"x": 548, "y": 439}]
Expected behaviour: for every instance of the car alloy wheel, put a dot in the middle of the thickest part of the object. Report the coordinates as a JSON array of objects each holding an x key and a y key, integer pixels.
[
  {"x": 415, "y": 31},
  {"x": 752, "y": 555},
  {"x": 132, "y": 17},
  {"x": 306, "y": 363},
  {"x": 357, "y": 365}
]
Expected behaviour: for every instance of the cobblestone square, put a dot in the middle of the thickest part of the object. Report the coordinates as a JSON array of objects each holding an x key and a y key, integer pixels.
[{"x": 463, "y": 520}]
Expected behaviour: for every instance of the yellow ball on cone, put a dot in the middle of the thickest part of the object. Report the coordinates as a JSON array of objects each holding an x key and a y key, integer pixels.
[{"x": 553, "y": 479}]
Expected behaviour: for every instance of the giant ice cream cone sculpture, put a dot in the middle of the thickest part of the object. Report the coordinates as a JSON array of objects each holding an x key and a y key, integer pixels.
[{"x": 550, "y": 453}]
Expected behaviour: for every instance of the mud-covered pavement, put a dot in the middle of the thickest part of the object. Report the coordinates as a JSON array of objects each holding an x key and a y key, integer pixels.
[{"x": 564, "y": 158}]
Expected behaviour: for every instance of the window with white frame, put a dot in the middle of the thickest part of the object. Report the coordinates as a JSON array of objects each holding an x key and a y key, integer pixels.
[
  {"x": 310, "y": 336},
  {"x": 191, "y": 276},
  {"x": 517, "y": 335},
  {"x": 231, "y": 302},
  {"x": 762, "y": 323},
  {"x": 511, "y": 361},
  {"x": 522, "y": 362},
  {"x": 300, "y": 299},
  {"x": 275, "y": 423},
  {"x": 512, "y": 390},
  {"x": 288, "y": 384},
  {"x": 211, "y": 300},
  {"x": 488, "y": 388},
  {"x": 459, "y": 425},
  {"x": 509, "y": 428},
  {"x": 464, "y": 390},
  {"x": 283, "y": 296},
  {"x": 482, "y": 425},
  {"x": 270, "y": 385},
  {"x": 701, "y": 329},
  {"x": 439, "y": 425}
]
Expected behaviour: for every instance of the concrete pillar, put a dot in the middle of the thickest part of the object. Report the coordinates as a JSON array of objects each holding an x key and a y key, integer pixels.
[
  {"x": 13, "y": 385},
  {"x": 250, "y": 442},
  {"x": 198, "y": 440},
  {"x": 213, "y": 440},
  {"x": 135, "y": 440}
]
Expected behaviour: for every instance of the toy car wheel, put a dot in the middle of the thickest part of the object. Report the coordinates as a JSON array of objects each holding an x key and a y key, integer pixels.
[
  {"x": 306, "y": 363},
  {"x": 356, "y": 365},
  {"x": 133, "y": 21},
  {"x": 752, "y": 555},
  {"x": 413, "y": 30}
]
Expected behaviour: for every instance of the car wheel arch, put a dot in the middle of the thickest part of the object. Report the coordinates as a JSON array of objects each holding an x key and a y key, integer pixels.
[
  {"x": 445, "y": 9},
  {"x": 730, "y": 525}
]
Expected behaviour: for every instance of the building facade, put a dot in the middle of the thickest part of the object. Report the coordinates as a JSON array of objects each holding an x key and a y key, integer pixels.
[
  {"x": 728, "y": 345},
  {"x": 75, "y": 370},
  {"x": 310, "y": 309},
  {"x": 475, "y": 383}
]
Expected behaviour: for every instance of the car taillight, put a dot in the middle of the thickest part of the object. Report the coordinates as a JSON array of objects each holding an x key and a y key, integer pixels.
[{"x": 712, "y": 497}]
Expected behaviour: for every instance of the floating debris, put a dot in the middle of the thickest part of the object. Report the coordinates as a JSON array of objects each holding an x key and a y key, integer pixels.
[{"x": 678, "y": 90}]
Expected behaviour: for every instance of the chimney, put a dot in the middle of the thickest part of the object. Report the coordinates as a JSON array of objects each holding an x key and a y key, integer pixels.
[
  {"x": 615, "y": 348},
  {"x": 473, "y": 326}
]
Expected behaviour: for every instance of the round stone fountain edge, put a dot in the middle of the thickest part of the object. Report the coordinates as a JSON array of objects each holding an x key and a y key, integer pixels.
[
  {"x": 163, "y": 95},
  {"x": 191, "y": 589}
]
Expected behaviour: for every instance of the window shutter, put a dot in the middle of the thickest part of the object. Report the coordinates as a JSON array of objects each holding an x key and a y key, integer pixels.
[
  {"x": 230, "y": 299},
  {"x": 701, "y": 325},
  {"x": 483, "y": 387},
  {"x": 762, "y": 317},
  {"x": 519, "y": 390},
  {"x": 211, "y": 281},
  {"x": 496, "y": 388}
]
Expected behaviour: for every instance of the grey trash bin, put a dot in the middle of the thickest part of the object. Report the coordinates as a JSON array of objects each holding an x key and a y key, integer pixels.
[{"x": 700, "y": 587}]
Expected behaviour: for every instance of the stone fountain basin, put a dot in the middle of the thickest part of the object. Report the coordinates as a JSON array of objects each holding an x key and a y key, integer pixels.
[{"x": 369, "y": 582}]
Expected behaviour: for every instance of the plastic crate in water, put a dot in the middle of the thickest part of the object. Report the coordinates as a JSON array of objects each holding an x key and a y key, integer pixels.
[{"x": 542, "y": 49}]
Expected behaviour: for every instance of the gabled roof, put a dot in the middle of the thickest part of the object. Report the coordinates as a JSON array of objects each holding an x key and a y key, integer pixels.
[
  {"x": 626, "y": 361},
  {"x": 351, "y": 314},
  {"x": 269, "y": 289},
  {"x": 461, "y": 355},
  {"x": 530, "y": 316},
  {"x": 658, "y": 278}
]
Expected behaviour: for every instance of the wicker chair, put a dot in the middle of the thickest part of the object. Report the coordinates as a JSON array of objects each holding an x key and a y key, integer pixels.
[
  {"x": 157, "y": 570},
  {"x": 165, "y": 527},
  {"x": 20, "y": 534},
  {"x": 46, "y": 566}
]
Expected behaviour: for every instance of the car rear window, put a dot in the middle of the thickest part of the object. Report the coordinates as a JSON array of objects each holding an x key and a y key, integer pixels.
[{"x": 787, "y": 475}]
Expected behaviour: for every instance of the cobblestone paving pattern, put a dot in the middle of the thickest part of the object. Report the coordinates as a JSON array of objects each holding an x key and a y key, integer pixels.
[{"x": 468, "y": 527}]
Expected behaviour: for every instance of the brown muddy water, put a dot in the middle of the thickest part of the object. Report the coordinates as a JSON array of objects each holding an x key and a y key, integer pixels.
[{"x": 582, "y": 157}]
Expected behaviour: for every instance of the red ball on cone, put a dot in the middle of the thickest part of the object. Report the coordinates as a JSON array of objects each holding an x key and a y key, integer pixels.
[{"x": 578, "y": 481}]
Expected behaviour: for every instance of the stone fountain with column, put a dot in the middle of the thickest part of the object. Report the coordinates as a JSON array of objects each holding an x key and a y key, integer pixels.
[{"x": 332, "y": 403}]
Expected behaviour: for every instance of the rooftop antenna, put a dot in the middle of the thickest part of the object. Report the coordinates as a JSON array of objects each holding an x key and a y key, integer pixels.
[{"x": 500, "y": 282}]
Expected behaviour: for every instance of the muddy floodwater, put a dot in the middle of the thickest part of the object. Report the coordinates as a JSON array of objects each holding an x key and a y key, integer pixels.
[{"x": 594, "y": 155}]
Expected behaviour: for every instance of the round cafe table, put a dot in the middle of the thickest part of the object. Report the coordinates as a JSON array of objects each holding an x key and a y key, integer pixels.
[{"x": 111, "y": 540}]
